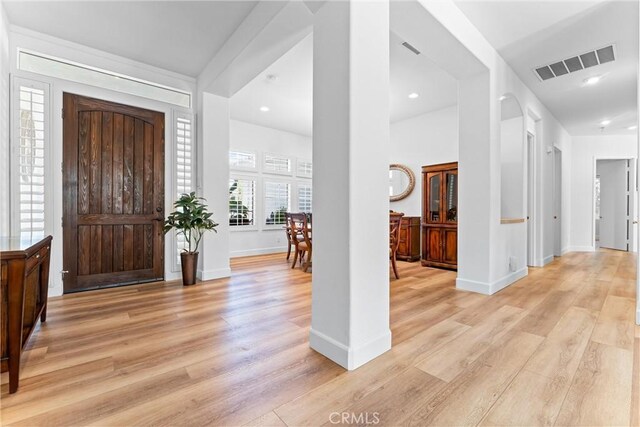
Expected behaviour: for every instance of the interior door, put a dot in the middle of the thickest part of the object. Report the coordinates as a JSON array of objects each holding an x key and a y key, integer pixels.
[
  {"x": 113, "y": 177},
  {"x": 613, "y": 204}
]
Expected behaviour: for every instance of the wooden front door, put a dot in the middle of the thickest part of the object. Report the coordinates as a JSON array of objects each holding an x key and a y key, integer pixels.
[{"x": 113, "y": 178}]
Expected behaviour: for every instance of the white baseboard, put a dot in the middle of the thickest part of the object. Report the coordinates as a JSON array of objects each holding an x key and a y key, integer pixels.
[
  {"x": 261, "y": 251},
  {"x": 581, "y": 249},
  {"x": 565, "y": 250},
  {"x": 218, "y": 273},
  {"x": 491, "y": 288},
  {"x": 349, "y": 358},
  {"x": 638, "y": 316},
  {"x": 546, "y": 260}
]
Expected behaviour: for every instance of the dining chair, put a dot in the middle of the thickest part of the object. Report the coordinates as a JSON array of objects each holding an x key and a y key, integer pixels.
[
  {"x": 303, "y": 247},
  {"x": 287, "y": 230},
  {"x": 395, "y": 218}
]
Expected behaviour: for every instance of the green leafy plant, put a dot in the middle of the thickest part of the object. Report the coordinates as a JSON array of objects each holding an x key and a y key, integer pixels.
[
  {"x": 191, "y": 219},
  {"x": 278, "y": 217}
]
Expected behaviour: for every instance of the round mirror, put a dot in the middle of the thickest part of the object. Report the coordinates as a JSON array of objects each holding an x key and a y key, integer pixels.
[{"x": 401, "y": 182}]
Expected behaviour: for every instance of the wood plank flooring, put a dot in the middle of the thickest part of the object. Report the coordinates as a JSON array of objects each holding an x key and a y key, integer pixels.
[{"x": 557, "y": 348}]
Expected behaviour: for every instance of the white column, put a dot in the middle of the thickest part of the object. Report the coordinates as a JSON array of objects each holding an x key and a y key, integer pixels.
[
  {"x": 350, "y": 307},
  {"x": 213, "y": 166}
]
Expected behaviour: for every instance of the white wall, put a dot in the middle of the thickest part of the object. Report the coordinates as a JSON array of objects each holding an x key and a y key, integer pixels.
[
  {"x": 260, "y": 139},
  {"x": 451, "y": 52},
  {"x": 84, "y": 55},
  {"x": 4, "y": 122},
  {"x": 423, "y": 140},
  {"x": 511, "y": 156},
  {"x": 586, "y": 149}
]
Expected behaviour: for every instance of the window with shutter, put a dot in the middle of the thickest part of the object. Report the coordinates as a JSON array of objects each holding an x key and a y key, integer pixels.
[
  {"x": 242, "y": 199},
  {"x": 304, "y": 168},
  {"x": 274, "y": 163},
  {"x": 304, "y": 197},
  {"x": 184, "y": 169},
  {"x": 30, "y": 176},
  {"x": 277, "y": 202},
  {"x": 242, "y": 160}
]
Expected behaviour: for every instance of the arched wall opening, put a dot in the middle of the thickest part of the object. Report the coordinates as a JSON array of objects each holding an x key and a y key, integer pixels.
[{"x": 512, "y": 154}]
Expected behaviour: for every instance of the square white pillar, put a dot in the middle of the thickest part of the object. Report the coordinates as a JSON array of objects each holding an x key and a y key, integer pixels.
[
  {"x": 213, "y": 167},
  {"x": 350, "y": 296}
]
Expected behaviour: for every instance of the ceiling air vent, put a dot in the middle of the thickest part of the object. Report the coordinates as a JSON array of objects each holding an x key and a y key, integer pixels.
[
  {"x": 576, "y": 63},
  {"x": 411, "y": 48}
]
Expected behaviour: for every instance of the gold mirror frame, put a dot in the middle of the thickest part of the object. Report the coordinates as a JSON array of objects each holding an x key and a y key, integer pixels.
[{"x": 412, "y": 181}]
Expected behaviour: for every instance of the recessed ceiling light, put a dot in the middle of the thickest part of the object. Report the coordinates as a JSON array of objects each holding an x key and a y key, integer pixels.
[
  {"x": 502, "y": 98},
  {"x": 605, "y": 122},
  {"x": 632, "y": 127},
  {"x": 592, "y": 80},
  {"x": 264, "y": 108},
  {"x": 413, "y": 95}
]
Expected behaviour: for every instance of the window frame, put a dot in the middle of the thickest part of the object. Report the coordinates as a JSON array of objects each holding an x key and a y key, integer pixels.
[
  {"x": 14, "y": 144},
  {"x": 184, "y": 115},
  {"x": 244, "y": 168},
  {"x": 257, "y": 218},
  {"x": 303, "y": 175},
  {"x": 297, "y": 193},
  {"x": 265, "y": 170},
  {"x": 263, "y": 220}
]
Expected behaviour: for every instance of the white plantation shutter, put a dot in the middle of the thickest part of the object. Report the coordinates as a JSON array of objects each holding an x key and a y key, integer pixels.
[
  {"x": 277, "y": 201},
  {"x": 274, "y": 163},
  {"x": 242, "y": 201},
  {"x": 30, "y": 175},
  {"x": 304, "y": 197},
  {"x": 242, "y": 160},
  {"x": 184, "y": 169},
  {"x": 304, "y": 168}
]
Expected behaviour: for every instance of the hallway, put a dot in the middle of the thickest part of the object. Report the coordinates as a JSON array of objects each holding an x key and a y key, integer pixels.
[{"x": 558, "y": 347}]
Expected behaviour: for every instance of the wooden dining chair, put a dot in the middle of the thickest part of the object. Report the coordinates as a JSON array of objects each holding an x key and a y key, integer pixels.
[
  {"x": 289, "y": 235},
  {"x": 303, "y": 247},
  {"x": 395, "y": 219}
]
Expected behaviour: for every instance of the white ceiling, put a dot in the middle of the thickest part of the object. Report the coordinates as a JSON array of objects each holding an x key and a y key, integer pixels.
[
  {"x": 529, "y": 34},
  {"x": 179, "y": 36},
  {"x": 289, "y": 95}
]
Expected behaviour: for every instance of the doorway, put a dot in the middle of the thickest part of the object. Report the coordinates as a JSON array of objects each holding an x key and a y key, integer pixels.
[
  {"x": 557, "y": 202},
  {"x": 613, "y": 204},
  {"x": 530, "y": 198},
  {"x": 113, "y": 200}
]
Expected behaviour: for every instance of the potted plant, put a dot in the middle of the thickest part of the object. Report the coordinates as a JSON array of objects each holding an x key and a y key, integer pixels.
[{"x": 192, "y": 220}]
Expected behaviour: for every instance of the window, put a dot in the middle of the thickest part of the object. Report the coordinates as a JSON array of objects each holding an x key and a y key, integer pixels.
[
  {"x": 274, "y": 163},
  {"x": 31, "y": 123},
  {"x": 304, "y": 197},
  {"x": 304, "y": 168},
  {"x": 242, "y": 160},
  {"x": 277, "y": 202},
  {"x": 185, "y": 171},
  {"x": 73, "y": 71},
  {"x": 242, "y": 197}
]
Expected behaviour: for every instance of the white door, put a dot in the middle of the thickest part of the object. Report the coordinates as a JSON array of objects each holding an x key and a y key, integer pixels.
[
  {"x": 557, "y": 202},
  {"x": 530, "y": 196},
  {"x": 614, "y": 218}
]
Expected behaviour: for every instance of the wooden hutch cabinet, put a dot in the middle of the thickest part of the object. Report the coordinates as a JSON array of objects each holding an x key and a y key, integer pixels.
[
  {"x": 23, "y": 294},
  {"x": 440, "y": 215},
  {"x": 409, "y": 246}
]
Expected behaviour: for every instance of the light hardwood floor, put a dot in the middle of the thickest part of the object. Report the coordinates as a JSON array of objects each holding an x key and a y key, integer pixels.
[{"x": 558, "y": 347}]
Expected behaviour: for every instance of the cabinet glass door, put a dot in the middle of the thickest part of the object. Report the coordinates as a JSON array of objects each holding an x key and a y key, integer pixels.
[
  {"x": 433, "y": 202},
  {"x": 451, "y": 197}
]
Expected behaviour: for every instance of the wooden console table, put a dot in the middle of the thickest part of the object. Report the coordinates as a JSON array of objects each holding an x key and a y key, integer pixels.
[{"x": 23, "y": 294}]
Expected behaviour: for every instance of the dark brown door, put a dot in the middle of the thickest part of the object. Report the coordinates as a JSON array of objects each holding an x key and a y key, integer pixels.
[{"x": 113, "y": 177}]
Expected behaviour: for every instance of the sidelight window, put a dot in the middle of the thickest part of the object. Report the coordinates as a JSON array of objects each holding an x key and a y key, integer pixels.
[{"x": 29, "y": 159}]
